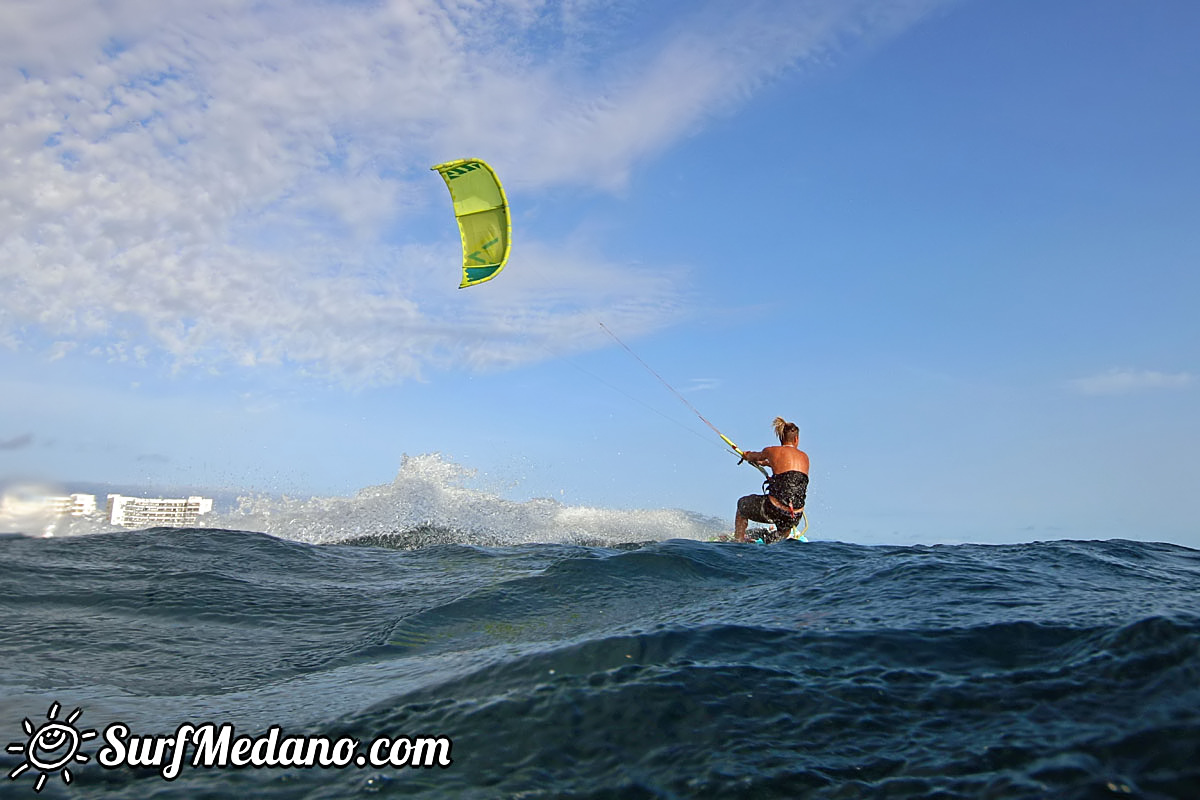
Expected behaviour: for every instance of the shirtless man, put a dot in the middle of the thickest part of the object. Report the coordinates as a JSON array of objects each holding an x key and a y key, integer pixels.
[{"x": 786, "y": 488}]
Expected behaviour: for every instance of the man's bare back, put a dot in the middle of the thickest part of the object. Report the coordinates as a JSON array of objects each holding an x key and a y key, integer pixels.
[{"x": 780, "y": 458}]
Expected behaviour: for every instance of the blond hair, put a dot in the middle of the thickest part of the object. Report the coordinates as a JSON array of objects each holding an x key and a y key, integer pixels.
[{"x": 786, "y": 431}]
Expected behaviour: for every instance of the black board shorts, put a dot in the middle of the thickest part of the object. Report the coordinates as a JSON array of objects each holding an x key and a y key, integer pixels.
[{"x": 759, "y": 508}]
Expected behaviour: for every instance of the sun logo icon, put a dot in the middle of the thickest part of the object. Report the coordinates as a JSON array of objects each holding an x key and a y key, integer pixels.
[{"x": 51, "y": 747}]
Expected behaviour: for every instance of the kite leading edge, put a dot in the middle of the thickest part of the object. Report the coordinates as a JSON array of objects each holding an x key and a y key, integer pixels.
[{"x": 482, "y": 212}]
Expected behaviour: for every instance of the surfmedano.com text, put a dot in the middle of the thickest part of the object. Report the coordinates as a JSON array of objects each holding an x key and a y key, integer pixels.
[{"x": 217, "y": 747}]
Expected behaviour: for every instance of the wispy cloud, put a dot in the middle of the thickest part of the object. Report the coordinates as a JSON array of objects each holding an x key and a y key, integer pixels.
[
  {"x": 1128, "y": 381},
  {"x": 17, "y": 442},
  {"x": 701, "y": 384},
  {"x": 243, "y": 183}
]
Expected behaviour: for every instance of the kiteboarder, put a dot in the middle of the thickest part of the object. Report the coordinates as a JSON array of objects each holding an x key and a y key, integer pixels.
[{"x": 783, "y": 502}]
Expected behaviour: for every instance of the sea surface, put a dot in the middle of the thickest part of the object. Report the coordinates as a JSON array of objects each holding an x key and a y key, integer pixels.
[{"x": 544, "y": 651}]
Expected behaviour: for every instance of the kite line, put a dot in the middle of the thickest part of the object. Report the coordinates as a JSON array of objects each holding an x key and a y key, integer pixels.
[{"x": 682, "y": 399}]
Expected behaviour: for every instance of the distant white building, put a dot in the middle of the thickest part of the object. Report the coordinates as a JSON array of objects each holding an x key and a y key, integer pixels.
[
  {"x": 30, "y": 509},
  {"x": 146, "y": 512},
  {"x": 75, "y": 505}
]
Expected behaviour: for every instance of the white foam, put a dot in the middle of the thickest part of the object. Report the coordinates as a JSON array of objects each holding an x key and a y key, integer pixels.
[{"x": 429, "y": 502}]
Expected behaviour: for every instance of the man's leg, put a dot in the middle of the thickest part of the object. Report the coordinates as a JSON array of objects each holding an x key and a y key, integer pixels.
[
  {"x": 749, "y": 508},
  {"x": 739, "y": 527}
]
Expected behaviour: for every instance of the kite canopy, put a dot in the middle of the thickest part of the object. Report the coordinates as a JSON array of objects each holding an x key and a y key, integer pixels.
[{"x": 482, "y": 212}]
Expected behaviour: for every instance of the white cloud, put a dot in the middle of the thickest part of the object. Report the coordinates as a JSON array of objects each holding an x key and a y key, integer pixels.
[
  {"x": 1128, "y": 381},
  {"x": 224, "y": 183},
  {"x": 701, "y": 385}
]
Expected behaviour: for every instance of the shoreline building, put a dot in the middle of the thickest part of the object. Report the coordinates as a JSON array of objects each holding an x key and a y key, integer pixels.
[
  {"x": 25, "y": 507},
  {"x": 149, "y": 512},
  {"x": 74, "y": 505}
]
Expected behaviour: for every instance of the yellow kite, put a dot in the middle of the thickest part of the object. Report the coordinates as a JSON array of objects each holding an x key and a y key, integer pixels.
[{"x": 482, "y": 212}]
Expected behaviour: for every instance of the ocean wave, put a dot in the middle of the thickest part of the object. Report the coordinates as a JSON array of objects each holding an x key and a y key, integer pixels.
[{"x": 665, "y": 667}]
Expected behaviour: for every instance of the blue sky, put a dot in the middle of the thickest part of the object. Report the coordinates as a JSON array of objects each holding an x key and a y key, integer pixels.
[{"x": 954, "y": 241}]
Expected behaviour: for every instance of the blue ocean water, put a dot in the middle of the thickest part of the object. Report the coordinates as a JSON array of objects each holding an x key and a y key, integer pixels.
[{"x": 616, "y": 656}]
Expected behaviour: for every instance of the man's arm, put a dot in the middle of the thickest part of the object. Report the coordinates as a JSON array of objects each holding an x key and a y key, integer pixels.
[{"x": 755, "y": 456}]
